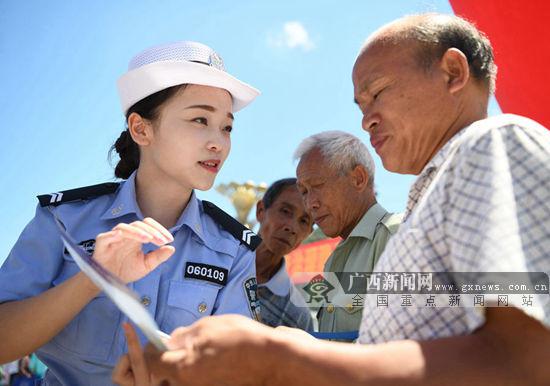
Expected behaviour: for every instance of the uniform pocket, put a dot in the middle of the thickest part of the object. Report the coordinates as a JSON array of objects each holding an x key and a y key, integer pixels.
[
  {"x": 187, "y": 302},
  {"x": 91, "y": 334}
]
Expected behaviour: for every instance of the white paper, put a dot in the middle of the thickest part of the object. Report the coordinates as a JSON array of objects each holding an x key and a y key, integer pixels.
[{"x": 124, "y": 298}]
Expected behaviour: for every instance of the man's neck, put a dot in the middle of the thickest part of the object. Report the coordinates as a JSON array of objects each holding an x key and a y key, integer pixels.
[
  {"x": 466, "y": 115},
  {"x": 267, "y": 264},
  {"x": 362, "y": 209},
  {"x": 160, "y": 198}
]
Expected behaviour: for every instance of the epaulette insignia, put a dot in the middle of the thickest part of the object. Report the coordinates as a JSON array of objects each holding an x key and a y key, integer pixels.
[
  {"x": 238, "y": 230},
  {"x": 78, "y": 194}
]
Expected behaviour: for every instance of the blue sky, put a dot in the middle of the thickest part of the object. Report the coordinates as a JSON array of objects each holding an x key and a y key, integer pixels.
[{"x": 61, "y": 59}]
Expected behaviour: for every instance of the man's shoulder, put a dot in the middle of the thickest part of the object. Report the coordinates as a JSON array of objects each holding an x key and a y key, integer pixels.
[
  {"x": 503, "y": 138},
  {"x": 504, "y": 129},
  {"x": 506, "y": 120},
  {"x": 391, "y": 222}
]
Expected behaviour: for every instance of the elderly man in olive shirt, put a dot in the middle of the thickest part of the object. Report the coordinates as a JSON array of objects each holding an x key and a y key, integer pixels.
[{"x": 336, "y": 179}]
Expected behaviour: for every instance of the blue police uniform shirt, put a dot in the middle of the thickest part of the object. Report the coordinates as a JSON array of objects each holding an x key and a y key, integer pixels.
[{"x": 86, "y": 350}]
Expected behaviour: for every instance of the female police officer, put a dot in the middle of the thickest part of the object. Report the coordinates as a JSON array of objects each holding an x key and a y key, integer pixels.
[{"x": 178, "y": 101}]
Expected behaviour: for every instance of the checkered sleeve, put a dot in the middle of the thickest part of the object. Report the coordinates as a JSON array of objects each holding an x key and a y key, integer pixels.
[{"x": 498, "y": 214}]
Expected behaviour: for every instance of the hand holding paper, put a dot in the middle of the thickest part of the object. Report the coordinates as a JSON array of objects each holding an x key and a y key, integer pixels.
[
  {"x": 131, "y": 368},
  {"x": 119, "y": 250},
  {"x": 123, "y": 242}
]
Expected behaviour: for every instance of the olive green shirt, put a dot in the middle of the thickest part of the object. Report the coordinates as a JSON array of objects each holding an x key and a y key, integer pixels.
[{"x": 358, "y": 253}]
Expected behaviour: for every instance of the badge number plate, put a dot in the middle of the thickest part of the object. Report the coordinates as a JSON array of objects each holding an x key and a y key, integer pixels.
[{"x": 206, "y": 272}]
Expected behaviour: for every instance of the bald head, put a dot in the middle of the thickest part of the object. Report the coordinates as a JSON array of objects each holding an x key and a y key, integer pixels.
[
  {"x": 432, "y": 35},
  {"x": 417, "y": 82}
]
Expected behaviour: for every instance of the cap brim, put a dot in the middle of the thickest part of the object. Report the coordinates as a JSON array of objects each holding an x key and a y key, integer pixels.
[{"x": 151, "y": 78}]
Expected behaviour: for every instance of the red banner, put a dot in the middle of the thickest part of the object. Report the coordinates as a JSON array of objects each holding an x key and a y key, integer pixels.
[
  {"x": 520, "y": 38},
  {"x": 309, "y": 258}
]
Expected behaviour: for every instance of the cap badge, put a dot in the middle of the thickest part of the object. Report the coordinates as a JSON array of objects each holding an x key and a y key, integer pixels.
[{"x": 215, "y": 61}]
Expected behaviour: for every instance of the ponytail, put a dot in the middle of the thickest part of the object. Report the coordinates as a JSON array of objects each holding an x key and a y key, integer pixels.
[
  {"x": 125, "y": 146},
  {"x": 128, "y": 151}
]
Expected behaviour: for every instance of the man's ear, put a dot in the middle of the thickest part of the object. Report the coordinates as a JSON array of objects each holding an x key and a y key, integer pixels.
[
  {"x": 260, "y": 211},
  {"x": 140, "y": 129},
  {"x": 359, "y": 177},
  {"x": 455, "y": 66}
]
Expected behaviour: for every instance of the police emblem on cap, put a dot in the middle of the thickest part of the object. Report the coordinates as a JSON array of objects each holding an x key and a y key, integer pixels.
[{"x": 215, "y": 61}]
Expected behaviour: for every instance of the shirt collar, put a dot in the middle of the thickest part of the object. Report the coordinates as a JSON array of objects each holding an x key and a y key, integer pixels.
[
  {"x": 125, "y": 203},
  {"x": 443, "y": 153},
  {"x": 279, "y": 283},
  {"x": 367, "y": 225},
  {"x": 191, "y": 217},
  {"x": 427, "y": 175}
]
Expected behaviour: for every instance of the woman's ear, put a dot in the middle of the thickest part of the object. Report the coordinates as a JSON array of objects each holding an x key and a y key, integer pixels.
[{"x": 140, "y": 129}]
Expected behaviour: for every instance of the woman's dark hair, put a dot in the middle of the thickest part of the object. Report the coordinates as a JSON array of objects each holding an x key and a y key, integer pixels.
[
  {"x": 276, "y": 189},
  {"x": 128, "y": 151}
]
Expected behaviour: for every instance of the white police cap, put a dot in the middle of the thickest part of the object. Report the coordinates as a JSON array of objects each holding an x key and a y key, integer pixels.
[{"x": 163, "y": 66}]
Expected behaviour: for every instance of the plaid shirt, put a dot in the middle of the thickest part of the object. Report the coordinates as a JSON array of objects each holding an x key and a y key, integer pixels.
[
  {"x": 482, "y": 204},
  {"x": 281, "y": 304}
]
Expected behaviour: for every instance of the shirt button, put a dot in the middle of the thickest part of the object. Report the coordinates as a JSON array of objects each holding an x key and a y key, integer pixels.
[
  {"x": 349, "y": 307},
  {"x": 330, "y": 308},
  {"x": 145, "y": 300},
  {"x": 202, "y": 307}
]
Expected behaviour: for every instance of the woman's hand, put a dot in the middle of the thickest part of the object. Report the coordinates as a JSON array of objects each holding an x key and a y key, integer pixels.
[
  {"x": 131, "y": 369},
  {"x": 119, "y": 250},
  {"x": 216, "y": 350}
]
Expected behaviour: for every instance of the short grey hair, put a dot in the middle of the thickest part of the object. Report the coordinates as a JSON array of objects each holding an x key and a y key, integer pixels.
[
  {"x": 435, "y": 34},
  {"x": 342, "y": 151}
]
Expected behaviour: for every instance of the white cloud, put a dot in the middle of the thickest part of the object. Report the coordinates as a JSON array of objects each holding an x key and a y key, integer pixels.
[{"x": 294, "y": 35}]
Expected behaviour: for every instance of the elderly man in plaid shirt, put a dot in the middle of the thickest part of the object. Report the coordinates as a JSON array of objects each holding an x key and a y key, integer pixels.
[{"x": 481, "y": 203}]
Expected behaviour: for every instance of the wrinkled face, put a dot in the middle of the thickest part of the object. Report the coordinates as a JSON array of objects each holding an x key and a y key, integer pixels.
[
  {"x": 285, "y": 224},
  {"x": 191, "y": 137},
  {"x": 327, "y": 195},
  {"x": 405, "y": 108}
]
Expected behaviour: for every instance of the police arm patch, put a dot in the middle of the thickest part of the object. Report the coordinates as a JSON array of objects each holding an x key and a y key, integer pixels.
[{"x": 250, "y": 286}]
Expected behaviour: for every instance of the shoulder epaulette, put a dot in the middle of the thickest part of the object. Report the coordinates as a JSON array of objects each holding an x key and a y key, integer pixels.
[
  {"x": 237, "y": 230},
  {"x": 78, "y": 194}
]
